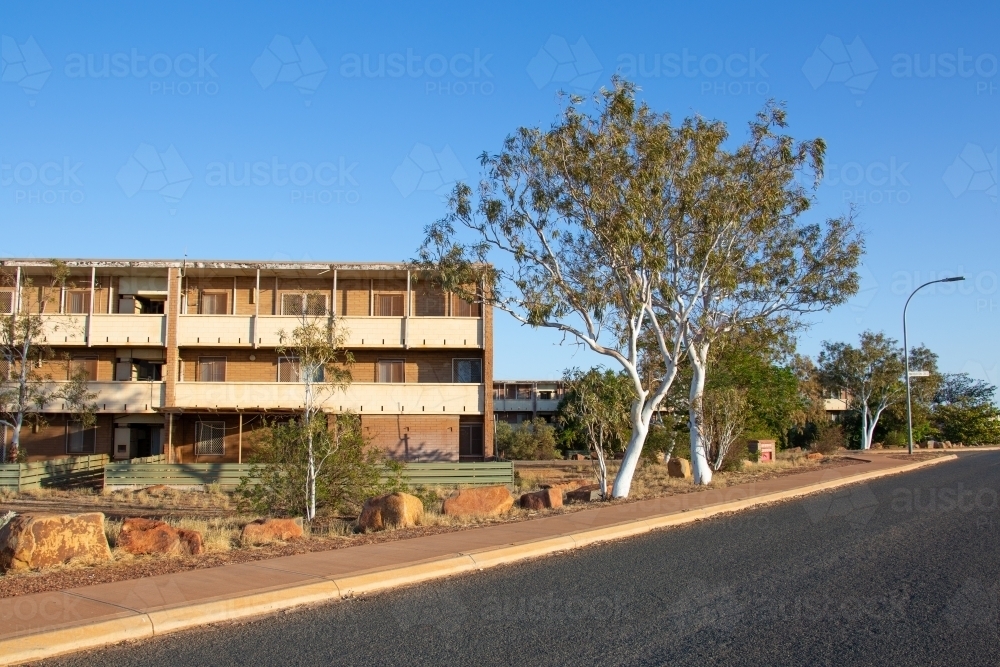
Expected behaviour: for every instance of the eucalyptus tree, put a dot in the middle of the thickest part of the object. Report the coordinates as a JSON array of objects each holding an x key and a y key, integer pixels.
[
  {"x": 26, "y": 391},
  {"x": 314, "y": 355},
  {"x": 737, "y": 255},
  {"x": 870, "y": 375},
  {"x": 563, "y": 232}
]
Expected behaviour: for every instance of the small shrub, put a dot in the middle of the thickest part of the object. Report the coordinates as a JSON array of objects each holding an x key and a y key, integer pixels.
[
  {"x": 533, "y": 440},
  {"x": 829, "y": 439}
]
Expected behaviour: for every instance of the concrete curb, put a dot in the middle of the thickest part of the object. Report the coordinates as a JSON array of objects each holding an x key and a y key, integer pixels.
[{"x": 135, "y": 625}]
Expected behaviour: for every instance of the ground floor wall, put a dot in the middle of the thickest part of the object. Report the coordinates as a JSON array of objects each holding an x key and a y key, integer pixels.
[{"x": 53, "y": 439}]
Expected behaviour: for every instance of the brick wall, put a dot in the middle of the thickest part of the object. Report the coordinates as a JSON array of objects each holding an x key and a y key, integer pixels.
[
  {"x": 185, "y": 434},
  {"x": 421, "y": 365},
  {"x": 57, "y": 367},
  {"x": 49, "y": 441},
  {"x": 414, "y": 438}
]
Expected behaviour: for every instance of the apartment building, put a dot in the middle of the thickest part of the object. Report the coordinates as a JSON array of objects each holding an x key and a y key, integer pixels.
[
  {"x": 183, "y": 355},
  {"x": 515, "y": 401}
]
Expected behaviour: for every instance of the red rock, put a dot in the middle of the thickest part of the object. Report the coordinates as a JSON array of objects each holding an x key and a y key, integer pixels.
[
  {"x": 392, "y": 510},
  {"x": 30, "y": 541},
  {"x": 482, "y": 501},
  {"x": 262, "y": 531},
  {"x": 148, "y": 536},
  {"x": 585, "y": 494},
  {"x": 544, "y": 499},
  {"x": 815, "y": 456}
]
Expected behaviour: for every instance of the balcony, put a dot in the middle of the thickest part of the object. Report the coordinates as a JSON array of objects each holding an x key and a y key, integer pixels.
[
  {"x": 117, "y": 397},
  {"x": 382, "y": 332},
  {"x": 114, "y": 329},
  {"x": 361, "y": 397},
  {"x": 123, "y": 329}
]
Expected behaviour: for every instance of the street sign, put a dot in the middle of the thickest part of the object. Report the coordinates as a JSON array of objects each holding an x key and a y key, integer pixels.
[{"x": 919, "y": 374}]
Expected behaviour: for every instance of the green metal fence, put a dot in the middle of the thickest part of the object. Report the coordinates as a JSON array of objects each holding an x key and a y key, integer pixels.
[
  {"x": 66, "y": 472},
  {"x": 227, "y": 475}
]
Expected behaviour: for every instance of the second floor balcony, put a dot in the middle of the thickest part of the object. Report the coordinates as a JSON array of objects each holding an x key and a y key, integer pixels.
[
  {"x": 115, "y": 397},
  {"x": 382, "y": 332},
  {"x": 104, "y": 329},
  {"x": 361, "y": 397}
]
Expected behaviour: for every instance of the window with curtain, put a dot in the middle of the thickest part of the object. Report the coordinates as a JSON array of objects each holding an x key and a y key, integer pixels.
[
  {"x": 214, "y": 303},
  {"x": 390, "y": 370},
  {"x": 211, "y": 369},
  {"x": 78, "y": 301},
  {"x": 462, "y": 308},
  {"x": 86, "y": 365},
  {"x": 390, "y": 305}
]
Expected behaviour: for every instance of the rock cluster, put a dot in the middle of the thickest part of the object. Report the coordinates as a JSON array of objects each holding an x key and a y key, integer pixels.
[
  {"x": 263, "y": 531},
  {"x": 31, "y": 541},
  {"x": 479, "y": 501},
  {"x": 392, "y": 510},
  {"x": 149, "y": 536}
]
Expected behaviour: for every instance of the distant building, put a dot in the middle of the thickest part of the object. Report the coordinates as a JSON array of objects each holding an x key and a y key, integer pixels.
[
  {"x": 515, "y": 401},
  {"x": 184, "y": 356}
]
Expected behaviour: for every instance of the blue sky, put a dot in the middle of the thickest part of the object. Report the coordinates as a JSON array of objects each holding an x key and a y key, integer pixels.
[{"x": 127, "y": 130}]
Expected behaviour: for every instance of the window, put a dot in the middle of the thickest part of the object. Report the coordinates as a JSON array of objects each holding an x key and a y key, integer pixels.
[
  {"x": 210, "y": 438},
  {"x": 462, "y": 308},
  {"x": 78, "y": 301},
  {"x": 390, "y": 370},
  {"x": 470, "y": 440},
  {"x": 389, "y": 305},
  {"x": 150, "y": 371},
  {"x": 211, "y": 369},
  {"x": 467, "y": 370},
  {"x": 214, "y": 303},
  {"x": 80, "y": 440},
  {"x": 524, "y": 392},
  {"x": 510, "y": 391},
  {"x": 6, "y": 302},
  {"x": 316, "y": 304},
  {"x": 85, "y": 365},
  {"x": 291, "y": 304}
]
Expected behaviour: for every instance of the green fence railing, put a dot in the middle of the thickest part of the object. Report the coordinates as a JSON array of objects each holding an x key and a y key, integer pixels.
[
  {"x": 133, "y": 475},
  {"x": 65, "y": 472}
]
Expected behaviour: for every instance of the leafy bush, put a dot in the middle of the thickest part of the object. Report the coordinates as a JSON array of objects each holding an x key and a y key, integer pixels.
[
  {"x": 829, "y": 439},
  {"x": 351, "y": 470},
  {"x": 533, "y": 440}
]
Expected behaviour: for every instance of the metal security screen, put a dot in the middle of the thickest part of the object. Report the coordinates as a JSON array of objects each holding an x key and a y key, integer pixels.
[{"x": 210, "y": 438}]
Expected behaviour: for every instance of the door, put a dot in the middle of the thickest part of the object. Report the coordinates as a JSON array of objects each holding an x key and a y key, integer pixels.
[{"x": 123, "y": 443}]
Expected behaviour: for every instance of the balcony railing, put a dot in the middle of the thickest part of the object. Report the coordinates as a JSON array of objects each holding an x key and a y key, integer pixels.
[
  {"x": 130, "y": 397},
  {"x": 361, "y": 397},
  {"x": 392, "y": 332},
  {"x": 105, "y": 329}
]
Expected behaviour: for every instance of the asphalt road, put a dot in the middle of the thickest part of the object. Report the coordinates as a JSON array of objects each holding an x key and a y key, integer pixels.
[{"x": 899, "y": 571}]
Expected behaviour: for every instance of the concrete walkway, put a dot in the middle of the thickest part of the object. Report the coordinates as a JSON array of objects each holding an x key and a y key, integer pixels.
[{"x": 46, "y": 624}]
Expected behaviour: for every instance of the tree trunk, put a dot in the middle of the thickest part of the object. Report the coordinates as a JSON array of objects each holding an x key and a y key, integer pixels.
[
  {"x": 865, "y": 443},
  {"x": 700, "y": 468},
  {"x": 640, "y": 427}
]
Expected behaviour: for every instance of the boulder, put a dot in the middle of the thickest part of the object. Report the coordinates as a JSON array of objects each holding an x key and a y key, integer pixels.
[
  {"x": 263, "y": 531},
  {"x": 30, "y": 541},
  {"x": 815, "y": 456},
  {"x": 544, "y": 499},
  {"x": 678, "y": 467},
  {"x": 584, "y": 494},
  {"x": 579, "y": 457},
  {"x": 149, "y": 536},
  {"x": 479, "y": 501},
  {"x": 392, "y": 510}
]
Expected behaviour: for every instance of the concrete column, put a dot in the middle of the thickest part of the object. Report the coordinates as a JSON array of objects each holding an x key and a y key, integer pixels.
[
  {"x": 488, "y": 418},
  {"x": 90, "y": 309},
  {"x": 170, "y": 368}
]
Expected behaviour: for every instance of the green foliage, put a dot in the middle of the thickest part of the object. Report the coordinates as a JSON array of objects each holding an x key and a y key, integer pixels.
[
  {"x": 830, "y": 438},
  {"x": 964, "y": 411},
  {"x": 533, "y": 440},
  {"x": 277, "y": 482}
]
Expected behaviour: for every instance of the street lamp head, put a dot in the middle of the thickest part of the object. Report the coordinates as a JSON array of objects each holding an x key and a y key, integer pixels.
[{"x": 953, "y": 279}]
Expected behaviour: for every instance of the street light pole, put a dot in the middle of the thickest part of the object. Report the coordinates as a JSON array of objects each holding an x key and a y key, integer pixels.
[{"x": 906, "y": 357}]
